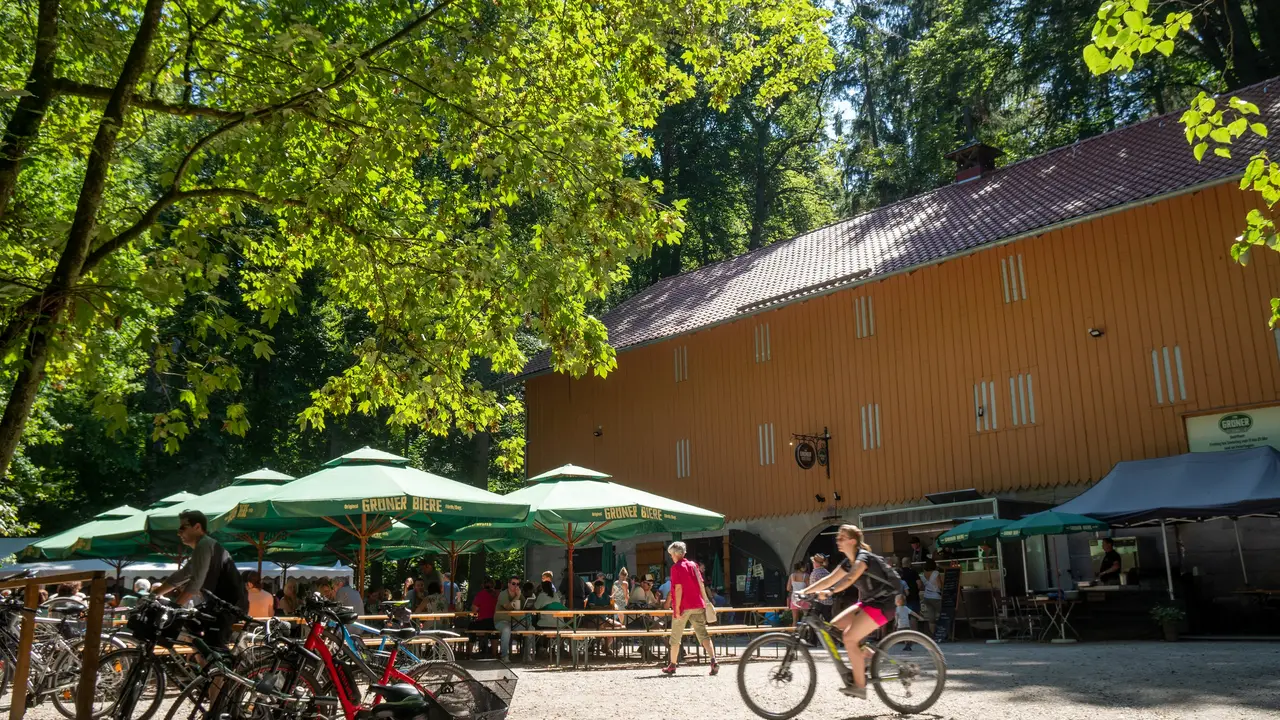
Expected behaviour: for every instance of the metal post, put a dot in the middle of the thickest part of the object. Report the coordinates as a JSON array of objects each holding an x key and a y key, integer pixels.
[
  {"x": 1235, "y": 522},
  {"x": 1026, "y": 576},
  {"x": 1168, "y": 570},
  {"x": 92, "y": 647}
]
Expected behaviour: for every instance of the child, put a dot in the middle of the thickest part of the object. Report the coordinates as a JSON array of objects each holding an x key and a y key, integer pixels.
[{"x": 902, "y": 617}]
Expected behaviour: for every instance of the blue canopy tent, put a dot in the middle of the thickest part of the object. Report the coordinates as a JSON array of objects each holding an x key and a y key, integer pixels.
[{"x": 1186, "y": 488}]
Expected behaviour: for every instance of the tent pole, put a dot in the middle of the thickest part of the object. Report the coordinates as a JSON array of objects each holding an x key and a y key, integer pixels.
[
  {"x": 1026, "y": 578},
  {"x": 1000, "y": 565},
  {"x": 1235, "y": 522},
  {"x": 1168, "y": 571}
]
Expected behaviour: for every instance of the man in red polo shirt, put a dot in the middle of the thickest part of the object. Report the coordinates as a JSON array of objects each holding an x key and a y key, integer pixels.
[{"x": 687, "y": 606}]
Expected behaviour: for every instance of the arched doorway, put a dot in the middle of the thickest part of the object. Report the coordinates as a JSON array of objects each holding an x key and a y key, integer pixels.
[{"x": 823, "y": 541}]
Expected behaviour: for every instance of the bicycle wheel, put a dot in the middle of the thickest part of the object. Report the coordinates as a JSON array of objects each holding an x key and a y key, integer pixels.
[
  {"x": 434, "y": 650},
  {"x": 449, "y": 684},
  {"x": 776, "y": 676},
  {"x": 278, "y": 689},
  {"x": 130, "y": 685},
  {"x": 908, "y": 671}
]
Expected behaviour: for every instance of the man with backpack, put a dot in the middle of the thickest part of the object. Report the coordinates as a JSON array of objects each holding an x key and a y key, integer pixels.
[
  {"x": 210, "y": 568},
  {"x": 877, "y": 584}
]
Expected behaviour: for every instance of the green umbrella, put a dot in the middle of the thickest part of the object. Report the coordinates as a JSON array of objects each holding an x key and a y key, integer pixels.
[
  {"x": 1051, "y": 523},
  {"x": 572, "y": 506},
  {"x": 364, "y": 492},
  {"x": 81, "y": 539},
  {"x": 220, "y": 507},
  {"x": 972, "y": 533}
]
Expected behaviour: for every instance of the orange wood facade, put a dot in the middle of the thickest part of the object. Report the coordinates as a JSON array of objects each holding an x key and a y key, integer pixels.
[{"x": 1152, "y": 277}]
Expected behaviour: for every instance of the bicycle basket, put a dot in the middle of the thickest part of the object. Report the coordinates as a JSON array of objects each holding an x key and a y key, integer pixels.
[
  {"x": 153, "y": 622},
  {"x": 483, "y": 696}
]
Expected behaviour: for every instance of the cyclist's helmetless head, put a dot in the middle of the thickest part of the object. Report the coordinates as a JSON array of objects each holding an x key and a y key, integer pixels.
[{"x": 849, "y": 539}]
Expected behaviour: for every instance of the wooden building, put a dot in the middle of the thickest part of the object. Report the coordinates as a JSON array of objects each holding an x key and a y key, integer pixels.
[{"x": 1016, "y": 333}]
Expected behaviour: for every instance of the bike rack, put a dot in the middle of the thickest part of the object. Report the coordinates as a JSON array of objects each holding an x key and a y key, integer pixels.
[{"x": 26, "y": 638}]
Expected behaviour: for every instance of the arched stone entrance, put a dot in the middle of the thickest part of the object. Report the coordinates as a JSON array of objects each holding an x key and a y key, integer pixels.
[{"x": 820, "y": 539}]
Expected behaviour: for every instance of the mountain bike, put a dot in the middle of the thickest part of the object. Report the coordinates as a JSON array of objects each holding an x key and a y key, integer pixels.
[{"x": 777, "y": 677}]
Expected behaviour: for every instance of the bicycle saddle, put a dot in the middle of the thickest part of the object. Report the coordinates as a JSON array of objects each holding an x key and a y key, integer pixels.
[
  {"x": 406, "y": 633},
  {"x": 397, "y": 693}
]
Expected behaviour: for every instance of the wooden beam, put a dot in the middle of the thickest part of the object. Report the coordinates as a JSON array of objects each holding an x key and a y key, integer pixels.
[
  {"x": 92, "y": 647},
  {"x": 26, "y": 638}
]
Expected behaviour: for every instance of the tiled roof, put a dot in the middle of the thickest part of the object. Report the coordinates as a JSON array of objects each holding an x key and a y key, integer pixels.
[{"x": 1139, "y": 162}]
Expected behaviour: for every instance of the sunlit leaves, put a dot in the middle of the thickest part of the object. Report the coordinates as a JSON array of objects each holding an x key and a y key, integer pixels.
[
  {"x": 1124, "y": 31},
  {"x": 455, "y": 186}
]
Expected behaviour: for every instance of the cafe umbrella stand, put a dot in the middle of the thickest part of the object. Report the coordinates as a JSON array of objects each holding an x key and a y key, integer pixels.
[
  {"x": 976, "y": 533},
  {"x": 573, "y": 506},
  {"x": 363, "y": 493},
  {"x": 1051, "y": 522}
]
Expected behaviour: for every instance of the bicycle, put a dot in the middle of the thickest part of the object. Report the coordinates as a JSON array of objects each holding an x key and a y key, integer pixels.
[
  {"x": 55, "y": 655},
  {"x": 900, "y": 663},
  {"x": 435, "y": 649},
  {"x": 318, "y": 676}
]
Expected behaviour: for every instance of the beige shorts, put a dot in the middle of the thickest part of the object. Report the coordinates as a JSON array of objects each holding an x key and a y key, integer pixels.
[{"x": 695, "y": 617}]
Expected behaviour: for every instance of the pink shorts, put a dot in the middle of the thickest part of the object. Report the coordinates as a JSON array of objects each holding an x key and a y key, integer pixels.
[{"x": 873, "y": 613}]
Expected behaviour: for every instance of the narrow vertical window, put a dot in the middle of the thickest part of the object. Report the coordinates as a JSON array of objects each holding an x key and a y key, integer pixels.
[
  {"x": 1022, "y": 400},
  {"x": 765, "y": 444},
  {"x": 871, "y": 426},
  {"x": 763, "y": 351},
  {"x": 682, "y": 458},
  {"x": 682, "y": 363},
  {"x": 864, "y": 317},
  {"x": 984, "y": 406},
  {"x": 1013, "y": 278},
  {"x": 1169, "y": 374}
]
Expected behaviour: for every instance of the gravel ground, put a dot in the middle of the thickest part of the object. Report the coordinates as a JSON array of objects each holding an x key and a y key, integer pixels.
[
  {"x": 1133, "y": 681},
  {"x": 1094, "y": 681}
]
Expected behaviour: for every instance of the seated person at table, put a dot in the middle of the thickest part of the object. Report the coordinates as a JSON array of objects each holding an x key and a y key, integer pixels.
[
  {"x": 547, "y": 600},
  {"x": 1109, "y": 571},
  {"x": 484, "y": 605},
  {"x": 643, "y": 595},
  {"x": 597, "y": 600}
]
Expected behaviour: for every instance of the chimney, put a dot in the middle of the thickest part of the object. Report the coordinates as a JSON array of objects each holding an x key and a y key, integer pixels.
[{"x": 974, "y": 160}]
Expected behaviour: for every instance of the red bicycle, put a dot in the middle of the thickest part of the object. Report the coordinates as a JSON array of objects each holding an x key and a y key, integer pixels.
[{"x": 319, "y": 678}]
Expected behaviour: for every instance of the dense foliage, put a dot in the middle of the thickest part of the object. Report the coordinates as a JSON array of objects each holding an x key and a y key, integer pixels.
[{"x": 390, "y": 245}]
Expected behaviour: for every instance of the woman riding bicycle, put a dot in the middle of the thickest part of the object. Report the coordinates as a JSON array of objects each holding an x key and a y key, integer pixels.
[{"x": 875, "y": 598}]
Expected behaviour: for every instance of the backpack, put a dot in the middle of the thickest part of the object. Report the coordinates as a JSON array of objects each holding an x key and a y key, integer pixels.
[
  {"x": 224, "y": 579},
  {"x": 886, "y": 575}
]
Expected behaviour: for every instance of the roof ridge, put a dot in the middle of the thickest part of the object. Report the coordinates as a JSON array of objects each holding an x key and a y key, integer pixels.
[{"x": 1053, "y": 151}]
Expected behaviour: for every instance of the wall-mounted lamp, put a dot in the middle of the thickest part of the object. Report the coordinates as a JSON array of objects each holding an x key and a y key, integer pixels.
[
  {"x": 820, "y": 498},
  {"x": 837, "y": 494},
  {"x": 1095, "y": 332},
  {"x": 599, "y": 431},
  {"x": 982, "y": 411}
]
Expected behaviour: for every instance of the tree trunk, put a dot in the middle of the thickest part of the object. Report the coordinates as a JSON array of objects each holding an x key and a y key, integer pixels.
[
  {"x": 478, "y": 475},
  {"x": 1251, "y": 66},
  {"x": 1267, "y": 13},
  {"x": 670, "y": 259},
  {"x": 24, "y": 125},
  {"x": 57, "y": 293},
  {"x": 760, "y": 187}
]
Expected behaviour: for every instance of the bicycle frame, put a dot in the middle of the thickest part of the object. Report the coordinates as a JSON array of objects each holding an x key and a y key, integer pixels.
[
  {"x": 352, "y": 643},
  {"x": 351, "y": 705}
]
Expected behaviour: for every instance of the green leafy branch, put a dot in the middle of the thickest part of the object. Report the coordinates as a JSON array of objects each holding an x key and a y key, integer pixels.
[{"x": 1125, "y": 30}]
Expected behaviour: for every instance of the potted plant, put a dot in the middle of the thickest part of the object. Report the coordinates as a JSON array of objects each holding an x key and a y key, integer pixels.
[{"x": 1169, "y": 618}]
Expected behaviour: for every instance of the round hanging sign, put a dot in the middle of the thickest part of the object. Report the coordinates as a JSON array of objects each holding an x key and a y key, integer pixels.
[{"x": 806, "y": 456}]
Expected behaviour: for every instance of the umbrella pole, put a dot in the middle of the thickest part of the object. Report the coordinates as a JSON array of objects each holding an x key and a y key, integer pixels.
[
  {"x": 259, "y": 544},
  {"x": 572, "y": 580},
  {"x": 1026, "y": 577},
  {"x": 453, "y": 574},
  {"x": 364, "y": 543},
  {"x": 1168, "y": 571},
  {"x": 1235, "y": 522}
]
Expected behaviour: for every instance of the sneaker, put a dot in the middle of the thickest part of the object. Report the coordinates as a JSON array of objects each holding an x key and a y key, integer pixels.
[
  {"x": 854, "y": 692},
  {"x": 715, "y": 668},
  {"x": 669, "y": 670}
]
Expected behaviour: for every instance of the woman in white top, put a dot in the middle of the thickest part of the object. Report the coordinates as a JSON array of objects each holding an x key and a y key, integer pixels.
[
  {"x": 796, "y": 582},
  {"x": 931, "y": 596},
  {"x": 621, "y": 594}
]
